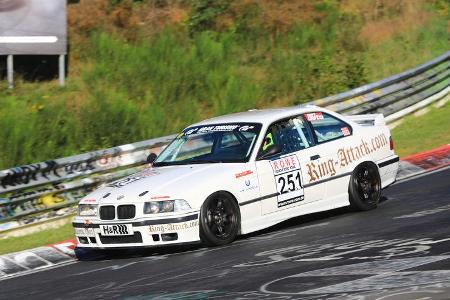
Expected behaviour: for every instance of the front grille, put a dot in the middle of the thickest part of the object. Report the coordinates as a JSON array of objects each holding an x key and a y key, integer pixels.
[
  {"x": 126, "y": 239},
  {"x": 107, "y": 212},
  {"x": 126, "y": 211}
]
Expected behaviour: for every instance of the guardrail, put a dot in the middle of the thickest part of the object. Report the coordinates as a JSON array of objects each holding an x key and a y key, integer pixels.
[{"x": 23, "y": 189}]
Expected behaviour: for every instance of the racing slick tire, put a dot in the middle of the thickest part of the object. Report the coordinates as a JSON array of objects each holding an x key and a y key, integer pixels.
[
  {"x": 219, "y": 219},
  {"x": 365, "y": 187}
]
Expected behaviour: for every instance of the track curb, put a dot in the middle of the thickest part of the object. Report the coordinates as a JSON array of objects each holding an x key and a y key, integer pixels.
[
  {"x": 424, "y": 162},
  {"x": 36, "y": 259}
]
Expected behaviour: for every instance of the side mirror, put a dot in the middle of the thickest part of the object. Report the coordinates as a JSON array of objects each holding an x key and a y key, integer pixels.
[
  {"x": 270, "y": 151},
  {"x": 151, "y": 158}
]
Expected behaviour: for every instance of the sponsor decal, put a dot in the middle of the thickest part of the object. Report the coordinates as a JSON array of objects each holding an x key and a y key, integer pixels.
[
  {"x": 242, "y": 174},
  {"x": 248, "y": 184},
  {"x": 133, "y": 178},
  {"x": 88, "y": 201},
  {"x": 191, "y": 131},
  {"x": 345, "y": 131},
  {"x": 285, "y": 164},
  {"x": 290, "y": 201},
  {"x": 114, "y": 230},
  {"x": 246, "y": 127},
  {"x": 218, "y": 128},
  {"x": 321, "y": 169},
  {"x": 85, "y": 232},
  {"x": 172, "y": 227},
  {"x": 313, "y": 116},
  {"x": 160, "y": 197}
]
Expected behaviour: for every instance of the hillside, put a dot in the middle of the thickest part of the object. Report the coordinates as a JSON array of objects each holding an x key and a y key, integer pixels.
[{"x": 142, "y": 69}]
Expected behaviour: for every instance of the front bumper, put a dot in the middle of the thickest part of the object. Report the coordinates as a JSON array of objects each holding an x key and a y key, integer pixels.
[{"x": 145, "y": 232}]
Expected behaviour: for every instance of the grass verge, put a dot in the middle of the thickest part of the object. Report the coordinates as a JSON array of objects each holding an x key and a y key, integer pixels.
[
  {"x": 42, "y": 238},
  {"x": 420, "y": 133}
]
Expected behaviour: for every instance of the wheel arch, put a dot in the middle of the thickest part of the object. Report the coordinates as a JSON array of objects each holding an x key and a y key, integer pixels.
[{"x": 370, "y": 162}]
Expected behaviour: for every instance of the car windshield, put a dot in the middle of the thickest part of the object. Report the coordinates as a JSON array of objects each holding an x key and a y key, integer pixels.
[{"x": 215, "y": 143}]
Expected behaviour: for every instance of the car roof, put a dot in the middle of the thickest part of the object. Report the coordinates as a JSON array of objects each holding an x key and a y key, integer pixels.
[{"x": 264, "y": 116}]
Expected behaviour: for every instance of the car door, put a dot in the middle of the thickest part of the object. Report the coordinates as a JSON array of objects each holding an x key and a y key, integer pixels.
[{"x": 281, "y": 175}]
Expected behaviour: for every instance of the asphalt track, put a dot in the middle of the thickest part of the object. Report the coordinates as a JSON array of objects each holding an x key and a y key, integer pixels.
[{"x": 399, "y": 251}]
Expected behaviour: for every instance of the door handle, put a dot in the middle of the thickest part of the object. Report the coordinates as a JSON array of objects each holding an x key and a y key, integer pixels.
[{"x": 314, "y": 157}]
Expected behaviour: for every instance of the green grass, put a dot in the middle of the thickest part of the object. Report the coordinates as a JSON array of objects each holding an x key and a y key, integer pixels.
[
  {"x": 42, "y": 238},
  {"x": 421, "y": 133}
]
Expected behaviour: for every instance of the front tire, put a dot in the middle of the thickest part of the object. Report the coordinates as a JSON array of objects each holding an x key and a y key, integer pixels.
[
  {"x": 365, "y": 187},
  {"x": 219, "y": 219}
]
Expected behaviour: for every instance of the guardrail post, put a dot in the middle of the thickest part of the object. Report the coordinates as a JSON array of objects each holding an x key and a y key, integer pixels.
[
  {"x": 62, "y": 69},
  {"x": 10, "y": 71}
]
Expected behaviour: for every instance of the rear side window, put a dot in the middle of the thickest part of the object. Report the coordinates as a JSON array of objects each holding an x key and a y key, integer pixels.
[{"x": 327, "y": 127}]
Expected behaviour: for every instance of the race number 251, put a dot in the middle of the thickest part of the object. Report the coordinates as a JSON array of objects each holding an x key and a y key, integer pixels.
[{"x": 288, "y": 182}]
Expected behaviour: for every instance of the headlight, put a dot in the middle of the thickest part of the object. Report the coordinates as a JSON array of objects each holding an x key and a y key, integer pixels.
[
  {"x": 87, "y": 210},
  {"x": 156, "y": 207}
]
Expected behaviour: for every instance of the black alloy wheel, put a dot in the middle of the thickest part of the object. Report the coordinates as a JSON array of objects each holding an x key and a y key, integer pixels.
[
  {"x": 365, "y": 187},
  {"x": 219, "y": 219}
]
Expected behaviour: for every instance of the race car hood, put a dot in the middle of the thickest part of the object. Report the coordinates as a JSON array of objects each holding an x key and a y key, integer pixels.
[{"x": 168, "y": 181}]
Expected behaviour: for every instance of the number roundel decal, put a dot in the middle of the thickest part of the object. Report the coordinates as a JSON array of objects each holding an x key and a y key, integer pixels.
[{"x": 286, "y": 171}]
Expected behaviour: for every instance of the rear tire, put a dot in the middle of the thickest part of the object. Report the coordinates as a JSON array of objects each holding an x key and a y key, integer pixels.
[
  {"x": 219, "y": 219},
  {"x": 365, "y": 187}
]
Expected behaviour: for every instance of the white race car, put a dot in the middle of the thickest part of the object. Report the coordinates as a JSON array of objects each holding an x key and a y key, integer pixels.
[{"x": 240, "y": 173}]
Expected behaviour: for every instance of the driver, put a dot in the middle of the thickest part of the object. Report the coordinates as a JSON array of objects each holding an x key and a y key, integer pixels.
[{"x": 268, "y": 141}]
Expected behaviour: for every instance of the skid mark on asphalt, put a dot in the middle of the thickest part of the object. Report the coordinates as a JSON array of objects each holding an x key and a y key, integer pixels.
[
  {"x": 108, "y": 268},
  {"x": 425, "y": 212},
  {"x": 114, "y": 289},
  {"x": 386, "y": 275}
]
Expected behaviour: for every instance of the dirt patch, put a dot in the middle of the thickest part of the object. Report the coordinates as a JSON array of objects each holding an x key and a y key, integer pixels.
[
  {"x": 274, "y": 16},
  {"x": 125, "y": 18},
  {"x": 383, "y": 19}
]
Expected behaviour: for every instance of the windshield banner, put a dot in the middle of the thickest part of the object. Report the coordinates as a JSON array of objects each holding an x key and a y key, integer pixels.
[{"x": 221, "y": 128}]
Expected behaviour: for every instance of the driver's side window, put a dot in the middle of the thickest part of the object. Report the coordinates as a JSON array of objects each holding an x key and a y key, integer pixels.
[{"x": 291, "y": 135}]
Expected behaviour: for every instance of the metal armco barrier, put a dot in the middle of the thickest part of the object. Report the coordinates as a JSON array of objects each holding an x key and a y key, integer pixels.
[{"x": 23, "y": 189}]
